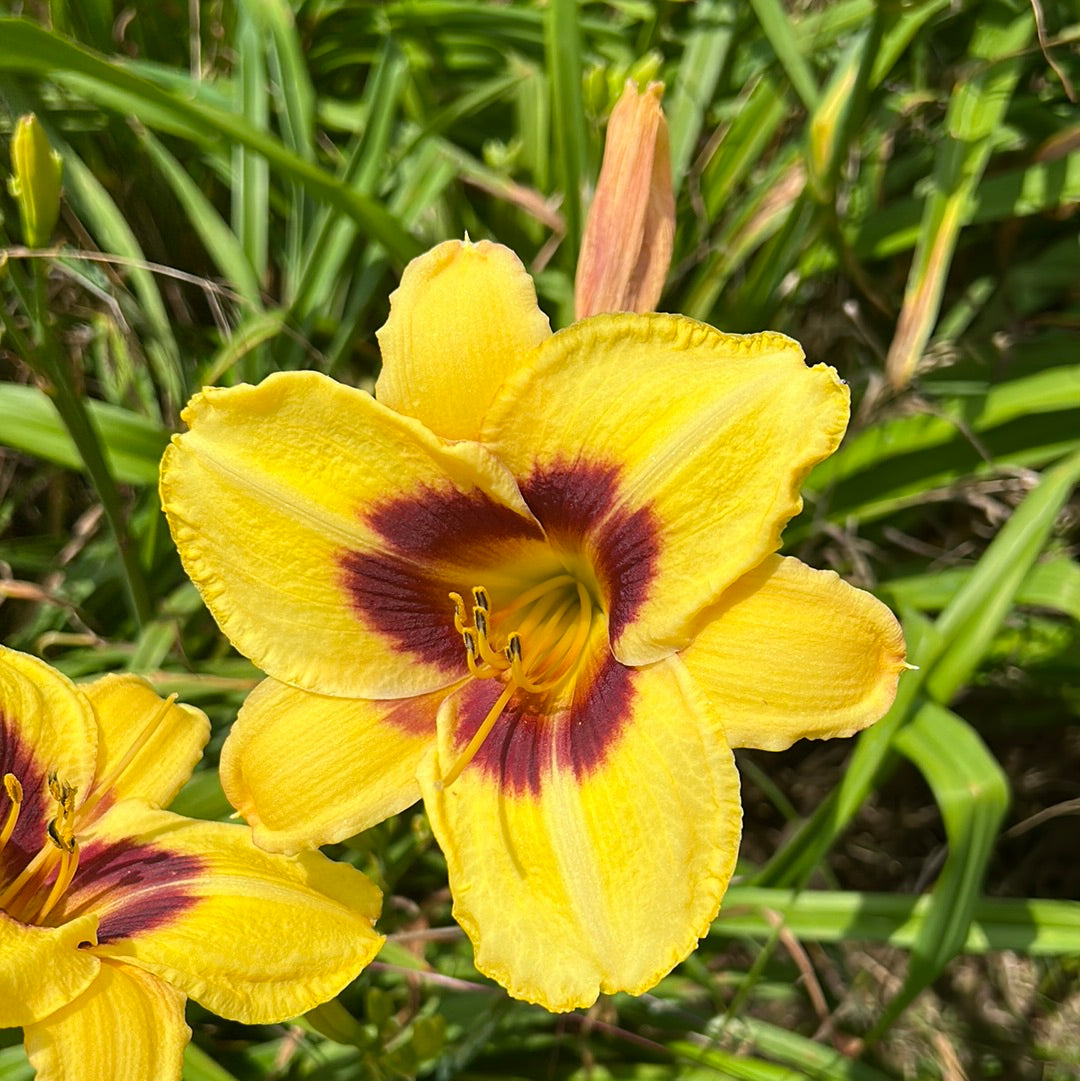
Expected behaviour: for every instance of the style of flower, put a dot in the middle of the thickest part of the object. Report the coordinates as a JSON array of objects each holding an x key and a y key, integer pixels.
[
  {"x": 532, "y": 581},
  {"x": 112, "y": 910}
]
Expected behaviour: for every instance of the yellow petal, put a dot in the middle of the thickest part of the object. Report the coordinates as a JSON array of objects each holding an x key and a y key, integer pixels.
[
  {"x": 630, "y": 229},
  {"x": 267, "y": 936},
  {"x": 792, "y": 653},
  {"x": 147, "y": 747},
  {"x": 46, "y": 726},
  {"x": 307, "y": 770},
  {"x": 127, "y": 1026},
  {"x": 275, "y": 498},
  {"x": 463, "y": 318},
  {"x": 677, "y": 451},
  {"x": 42, "y": 968},
  {"x": 590, "y": 852}
]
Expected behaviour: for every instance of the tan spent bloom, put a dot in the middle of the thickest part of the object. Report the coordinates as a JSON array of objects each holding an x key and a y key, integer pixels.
[
  {"x": 35, "y": 184},
  {"x": 626, "y": 249}
]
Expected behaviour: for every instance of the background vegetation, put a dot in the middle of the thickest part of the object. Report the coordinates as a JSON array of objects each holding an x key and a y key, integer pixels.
[{"x": 893, "y": 183}]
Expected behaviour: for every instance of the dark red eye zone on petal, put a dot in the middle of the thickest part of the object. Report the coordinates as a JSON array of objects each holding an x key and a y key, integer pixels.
[
  {"x": 404, "y": 591},
  {"x": 450, "y": 526},
  {"x": 408, "y": 606},
  {"x": 135, "y": 886},
  {"x": 17, "y": 757},
  {"x": 579, "y": 505},
  {"x": 527, "y": 744}
]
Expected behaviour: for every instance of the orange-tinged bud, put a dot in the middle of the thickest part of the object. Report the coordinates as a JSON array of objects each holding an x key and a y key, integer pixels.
[
  {"x": 35, "y": 184},
  {"x": 630, "y": 229}
]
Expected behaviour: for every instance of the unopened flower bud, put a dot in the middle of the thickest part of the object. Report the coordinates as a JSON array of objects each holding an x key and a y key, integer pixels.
[
  {"x": 35, "y": 183},
  {"x": 630, "y": 228}
]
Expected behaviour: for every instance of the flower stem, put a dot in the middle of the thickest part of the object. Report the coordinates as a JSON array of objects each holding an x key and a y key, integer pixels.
[{"x": 45, "y": 360}]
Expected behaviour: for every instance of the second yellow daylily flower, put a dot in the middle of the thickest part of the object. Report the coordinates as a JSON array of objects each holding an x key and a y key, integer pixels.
[
  {"x": 535, "y": 584},
  {"x": 112, "y": 910}
]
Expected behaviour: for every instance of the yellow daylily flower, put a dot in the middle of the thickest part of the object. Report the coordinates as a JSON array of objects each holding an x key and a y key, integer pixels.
[
  {"x": 533, "y": 582},
  {"x": 113, "y": 910}
]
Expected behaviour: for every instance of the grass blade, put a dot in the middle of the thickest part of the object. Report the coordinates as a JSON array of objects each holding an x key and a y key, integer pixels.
[
  {"x": 947, "y": 652},
  {"x": 972, "y": 793},
  {"x": 331, "y": 238},
  {"x": 968, "y": 624},
  {"x": 113, "y": 233},
  {"x": 707, "y": 46},
  {"x": 27, "y": 48},
  {"x": 1037, "y": 927},
  {"x": 251, "y": 172},
  {"x": 777, "y": 24},
  {"x": 132, "y": 444},
  {"x": 975, "y": 113},
  {"x": 563, "y": 46},
  {"x": 219, "y": 240}
]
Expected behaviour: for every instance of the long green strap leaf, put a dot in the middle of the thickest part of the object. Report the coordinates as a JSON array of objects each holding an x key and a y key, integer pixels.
[
  {"x": 946, "y": 652},
  {"x": 1054, "y": 585},
  {"x": 967, "y": 626},
  {"x": 250, "y": 190},
  {"x": 114, "y": 234},
  {"x": 707, "y": 45},
  {"x": 29, "y": 49},
  {"x": 809, "y": 1058},
  {"x": 219, "y": 240},
  {"x": 975, "y": 113},
  {"x": 563, "y": 45},
  {"x": 778, "y": 26},
  {"x": 1040, "y": 928},
  {"x": 30, "y": 423},
  {"x": 972, "y": 793}
]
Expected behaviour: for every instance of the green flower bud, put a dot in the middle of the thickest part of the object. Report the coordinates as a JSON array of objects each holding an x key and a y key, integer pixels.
[{"x": 35, "y": 184}]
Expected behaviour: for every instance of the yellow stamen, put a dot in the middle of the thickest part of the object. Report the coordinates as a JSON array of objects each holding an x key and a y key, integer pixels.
[
  {"x": 538, "y": 591},
  {"x": 459, "y": 612},
  {"x": 15, "y": 794},
  {"x": 69, "y": 864},
  {"x": 493, "y": 657},
  {"x": 470, "y": 655},
  {"x": 22, "y": 897},
  {"x": 564, "y": 662},
  {"x": 548, "y": 636},
  {"x": 480, "y": 735},
  {"x": 556, "y": 625},
  {"x": 541, "y": 612},
  {"x": 517, "y": 666},
  {"x": 7, "y": 898}
]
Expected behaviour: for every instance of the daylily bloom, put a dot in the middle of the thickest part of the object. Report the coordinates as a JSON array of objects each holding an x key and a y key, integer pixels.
[
  {"x": 630, "y": 229},
  {"x": 532, "y": 581},
  {"x": 112, "y": 910}
]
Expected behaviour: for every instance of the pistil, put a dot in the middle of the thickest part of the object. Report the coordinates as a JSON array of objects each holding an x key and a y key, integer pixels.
[{"x": 479, "y": 736}]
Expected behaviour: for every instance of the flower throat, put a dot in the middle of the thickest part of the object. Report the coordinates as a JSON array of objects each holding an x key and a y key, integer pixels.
[
  {"x": 25, "y": 898},
  {"x": 38, "y": 888},
  {"x": 551, "y": 628}
]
